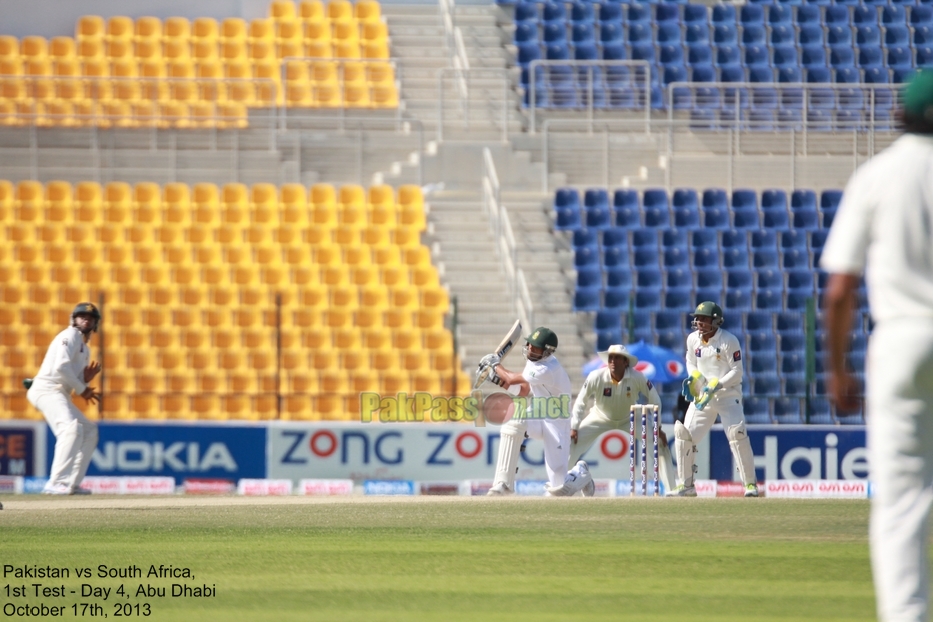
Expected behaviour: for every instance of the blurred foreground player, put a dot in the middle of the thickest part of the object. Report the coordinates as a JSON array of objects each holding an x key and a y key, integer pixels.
[
  {"x": 714, "y": 362},
  {"x": 604, "y": 403},
  {"x": 67, "y": 367},
  {"x": 884, "y": 228},
  {"x": 545, "y": 380}
]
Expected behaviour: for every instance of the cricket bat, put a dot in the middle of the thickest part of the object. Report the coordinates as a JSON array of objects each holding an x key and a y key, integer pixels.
[{"x": 502, "y": 350}]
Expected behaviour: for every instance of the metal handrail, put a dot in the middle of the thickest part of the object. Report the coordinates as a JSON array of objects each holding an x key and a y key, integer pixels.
[
  {"x": 641, "y": 73},
  {"x": 469, "y": 75}
]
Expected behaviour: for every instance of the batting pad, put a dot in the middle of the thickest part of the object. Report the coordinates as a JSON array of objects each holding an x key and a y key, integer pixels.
[
  {"x": 686, "y": 454},
  {"x": 510, "y": 442},
  {"x": 742, "y": 452}
]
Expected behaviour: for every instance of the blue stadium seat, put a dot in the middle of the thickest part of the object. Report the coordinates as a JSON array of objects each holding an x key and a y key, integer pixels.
[
  {"x": 583, "y": 33},
  {"x": 587, "y": 299},
  {"x": 897, "y": 35},
  {"x": 645, "y": 238},
  {"x": 876, "y": 75},
  {"x": 528, "y": 52},
  {"x": 780, "y": 15},
  {"x": 671, "y": 55},
  {"x": 639, "y": 13},
  {"x": 900, "y": 57},
  {"x": 790, "y": 75},
  {"x": 666, "y": 13},
  {"x": 795, "y": 258},
  {"x": 751, "y": 14},
  {"x": 626, "y": 207},
  {"x": 725, "y": 14},
  {"x": 558, "y": 50},
  {"x": 587, "y": 50},
  {"x": 586, "y": 257},
  {"x": 922, "y": 14},
  {"x": 615, "y": 237},
  {"x": 568, "y": 219},
  {"x": 526, "y": 12},
  {"x": 669, "y": 320},
  {"x": 643, "y": 51},
  {"x": 706, "y": 258},
  {"x": 728, "y": 56},
  {"x": 648, "y": 276},
  {"x": 769, "y": 279},
  {"x": 794, "y": 239},
  {"x": 735, "y": 258},
  {"x": 738, "y": 300},
  {"x": 695, "y": 14},
  {"x": 739, "y": 279},
  {"x": 769, "y": 299},
  {"x": 757, "y": 410},
  {"x": 797, "y": 301},
  {"x": 672, "y": 340},
  {"x": 725, "y": 34},
  {"x": 707, "y": 294},
  {"x": 813, "y": 57},
  {"x": 923, "y": 34},
  {"x": 555, "y": 32},
  {"x": 864, "y": 14},
  {"x": 808, "y": 14},
  {"x": 841, "y": 56},
  {"x": 616, "y": 256},
  {"x": 696, "y": 33},
  {"x": 754, "y": 35},
  {"x": 648, "y": 299},
  {"x": 867, "y": 35},
  {"x": 616, "y": 299},
  {"x": 669, "y": 34},
  {"x": 699, "y": 56},
  {"x": 763, "y": 239},
  {"x": 607, "y": 320},
  {"x": 839, "y": 35},
  {"x": 584, "y": 237},
  {"x": 582, "y": 12},
  {"x": 676, "y": 257},
  {"x": 704, "y": 238},
  {"x": 870, "y": 56},
  {"x": 674, "y": 238},
  {"x": 656, "y": 208},
  {"x": 708, "y": 278},
  {"x": 756, "y": 56},
  {"x": 732, "y": 238},
  {"x": 554, "y": 12},
  {"x": 794, "y": 386},
  {"x": 783, "y": 35},
  {"x": 788, "y": 323},
  {"x": 610, "y": 12},
  {"x": 787, "y": 410},
  {"x": 800, "y": 281},
  {"x": 759, "y": 321},
  {"x": 526, "y": 32},
  {"x": 619, "y": 276},
  {"x": 836, "y": 15},
  {"x": 793, "y": 363},
  {"x": 677, "y": 299},
  {"x": 614, "y": 51},
  {"x": 606, "y": 338},
  {"x": 811, "y": 34},
  {"x": 646, "y": 257},
  {"x": 784, "y": 56},
  {"x": 610, "y": 32},
  {"x": 589, "y": 278},
  {"x": 762, "y": 341},
  {"x": 765, "y": 258},
  {"x": 677, "y": 277}
]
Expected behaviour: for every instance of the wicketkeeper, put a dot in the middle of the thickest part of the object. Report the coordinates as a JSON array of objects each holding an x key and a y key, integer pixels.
[
  {"x": 609, "y": 394},
  {"x": 714, "y": 362}
]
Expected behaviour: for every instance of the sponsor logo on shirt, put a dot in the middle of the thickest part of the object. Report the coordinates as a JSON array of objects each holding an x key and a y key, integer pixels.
[
  {"x": 737, "y": 355},
  {"x": 607, "y": 392},
  {"x": 698, "y": 353},
  {"x": 650, "y": 386}
]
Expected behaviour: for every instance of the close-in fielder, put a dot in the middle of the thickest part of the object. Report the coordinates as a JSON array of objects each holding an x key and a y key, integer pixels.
[
  {"x": 543, "y": 378},
  {"x": 609, "y": 394},
  {"x": 882, "y": 228},
  {"x": 714, "y": 359},
  {"x": 67, "y": 367}
]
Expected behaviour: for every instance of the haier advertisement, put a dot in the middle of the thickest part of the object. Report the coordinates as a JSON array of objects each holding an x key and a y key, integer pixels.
[
  {"x": 793, "y": 452},
  {"x": 222, "y": 451}
]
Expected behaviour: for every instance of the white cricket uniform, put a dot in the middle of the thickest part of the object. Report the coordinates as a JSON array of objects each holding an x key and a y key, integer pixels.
[
  {"x": 884, "y": 223},
  {"x": 61, "y": 372},
  {"x": 547, "y": 379},
  {"x": 720, "y": 357}
]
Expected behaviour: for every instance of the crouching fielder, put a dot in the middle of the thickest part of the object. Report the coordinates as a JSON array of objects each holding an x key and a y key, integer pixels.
[
  {"x": 714, "y": 359},
  {"x": 67, "y": 367},
  {"x": 545, "y": 380},
  {"x": 609, "y": 393}
]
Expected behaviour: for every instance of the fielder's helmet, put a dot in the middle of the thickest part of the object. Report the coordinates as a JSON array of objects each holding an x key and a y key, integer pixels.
[
  {"x": 543, "y": 338},
  {"x": 711, "y": 310},
  {"x": 86, "y": 308}
]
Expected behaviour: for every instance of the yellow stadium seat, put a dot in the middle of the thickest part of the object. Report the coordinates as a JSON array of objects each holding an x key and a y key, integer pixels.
[
  {"x": 119, "y": 28},
  {"x": 354, "y": 73},
  {"x": 234, "y": 51},
  {"x": 345, "y": 297},
  {"x": 367, "y": 11},
  {"x": 91, "y": 50},
  {"x": 293, "y": 205},
  {"x": 435, "y": 298},
  {"x": 374, "y": 296},
  {"x": 392, "y": 382},
  {"x": 205, "y": 406},
  {"x": 299, "y": 94},
  {"x": 406, "y": 237},
  {"x": 61, "y": 48},
  {"x": 232, "y": 115},
  {"x": 405, "y": 339},
  {"x": 403, "y": 297},
  {"x": 381, "y": 195},
  {"x": 174, "y": 114},
  {"x": 29, "y": 201},
  {"x": 384, "y": 96},
  {"x": 9, "y": 46},
  {"x": 339, "y": 9},
  {"x": 143, "y": 405},
  {"x": 178, "y": 27},
  {"x": 424, "y": 276},
  {"x": 119, "y": 49},
  {"x": 118, "y": 205},
  {"x": 321, "y": 48},
  {"x": 287, "y": 48},
  {"x": 311, "y": 9},
  {"x": 205, "y": 28},
  {"x": 351, "y": 194},
  {"x": 347, "y": 49},
  {"x": 427, "y": 381},
  {"x": 297, "y": 71},
  {"x": 148, "y": 28},
  {"x": 176, "y": 204},
  {"x": 233, "y": 28},
  {"x": 202, "y": 114},
  {"x": 375, "y": 31},
  {"x": 328, "y": 95},
  {"x": 236, "y": 407},
  {"x": 382, "y": 216},
  {"x": 397, "y": 318},
  {"x": 89, "y": 26},
  {"x": 35, "y": 47},
  {"x": 282, "y": 10},
  {"x": 261, "y": 29},
  {"x": 206, "y": 204},
  {"x": 288, "y": 30},
  {"x": 356, "y": 96},
  {"x": 412, "y": 217},
  {"x": 345, "y": 31},
  {"x": 149, "y": 382},
  {"x": 124, "y": 274},
  {"x": 413, "y": 361},
  {"x": 162, "y": 295},
  {"x": 375, "y": 50},
  {"x": 204, "y": 50},
  {"x": 59, "y": 202},
  {"x": 264, "y": 203}
]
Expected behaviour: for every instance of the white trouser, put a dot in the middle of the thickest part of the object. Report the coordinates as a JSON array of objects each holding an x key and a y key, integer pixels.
[
  {"x": 595, "y": 424},
  {"x": 555, "y": 433},
  {"x": 900, "y": 447},
  {"x": 75, "y": 437},
  {"x": 728, "y": 407}
]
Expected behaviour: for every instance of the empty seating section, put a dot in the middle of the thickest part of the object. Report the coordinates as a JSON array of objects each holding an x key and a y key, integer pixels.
[
  {"x": 863, "y": 44},
  {"x": 754, "y": 253},
  {"x": 200, "y": 281},
  {"x": 201, "y": 73}
]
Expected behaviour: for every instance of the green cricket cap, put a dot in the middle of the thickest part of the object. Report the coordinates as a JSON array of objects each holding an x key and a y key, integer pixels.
[{"x": 918, "y": 94}]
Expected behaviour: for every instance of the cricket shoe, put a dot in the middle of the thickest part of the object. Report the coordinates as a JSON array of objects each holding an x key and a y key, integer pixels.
[
  {"x": 499, "y": 489},
  {"x": 751, "y": 490},
  {"x": 80, "y": 491},
  {"x": 589, "y": 488},
  {"x": 59, "y": 489},
  {"x": 683, "y": 491}
]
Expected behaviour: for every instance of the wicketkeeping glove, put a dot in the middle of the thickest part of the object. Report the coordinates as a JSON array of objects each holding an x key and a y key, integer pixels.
[
  {"x": 711, "y": 387},
  {"x": 685, "y": 389}
]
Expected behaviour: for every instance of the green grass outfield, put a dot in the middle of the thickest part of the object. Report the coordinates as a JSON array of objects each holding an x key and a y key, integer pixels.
[{"x": 436, "y": 558}]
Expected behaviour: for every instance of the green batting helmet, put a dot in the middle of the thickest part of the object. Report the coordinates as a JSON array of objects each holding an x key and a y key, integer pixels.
[
  {"x": 86, "y": 308},
  {"x": 543, "y": 338},
  {"x": 711, "y": 310}
]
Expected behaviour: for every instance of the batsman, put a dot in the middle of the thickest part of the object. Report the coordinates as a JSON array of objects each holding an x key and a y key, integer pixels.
[{"x": 714, "y": 362}]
